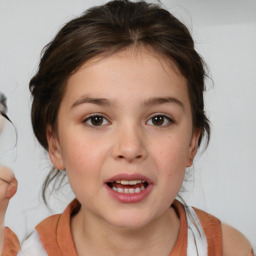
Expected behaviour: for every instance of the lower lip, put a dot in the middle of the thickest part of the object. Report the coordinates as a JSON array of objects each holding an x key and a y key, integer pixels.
[{"x": 129, "y": 198}]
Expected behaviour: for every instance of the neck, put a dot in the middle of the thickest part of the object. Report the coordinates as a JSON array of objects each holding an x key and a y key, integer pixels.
[{"x": 99, "y": 238}]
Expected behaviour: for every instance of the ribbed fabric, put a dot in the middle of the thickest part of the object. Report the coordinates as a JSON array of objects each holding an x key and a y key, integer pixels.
[
  {"x": 11, "y": 243},
  {"x": 55, "y": 233},
  {"x": 197, "y": 241},
  {"x": 56, "y": 238},
  {"x": 212, "y": 229},
  {"x": 211, "y": 226}
]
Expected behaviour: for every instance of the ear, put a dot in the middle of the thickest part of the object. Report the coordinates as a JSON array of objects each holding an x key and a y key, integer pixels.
[
  {"x": 193, "y": 147},
  {"x": 54, "y": 149}
]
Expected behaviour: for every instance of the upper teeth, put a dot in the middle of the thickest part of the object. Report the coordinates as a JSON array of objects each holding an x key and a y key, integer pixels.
[{"x": 130, "y": 182}]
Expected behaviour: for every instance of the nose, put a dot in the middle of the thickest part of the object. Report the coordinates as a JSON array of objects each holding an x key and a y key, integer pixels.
[{"x": 130, "y": 144}]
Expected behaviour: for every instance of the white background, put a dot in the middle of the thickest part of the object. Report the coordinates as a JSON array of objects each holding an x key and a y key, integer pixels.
[{"x": 224, "y": 182}]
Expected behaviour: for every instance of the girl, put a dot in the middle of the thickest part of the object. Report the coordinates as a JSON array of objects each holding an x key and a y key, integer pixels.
[{"x": 118, "y": 105}]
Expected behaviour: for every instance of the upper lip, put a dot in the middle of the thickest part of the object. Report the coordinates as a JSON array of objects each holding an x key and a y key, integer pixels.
[{"x": 128, "y": 176}]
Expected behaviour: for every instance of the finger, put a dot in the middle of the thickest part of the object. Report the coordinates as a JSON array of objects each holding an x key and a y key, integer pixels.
[
  {"x": 8, "y": 183},
  {"x": 12, "y": 189},
  {"x": 6, "y": 174}
]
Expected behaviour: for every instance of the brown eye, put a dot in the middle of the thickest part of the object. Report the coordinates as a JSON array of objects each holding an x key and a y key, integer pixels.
[
  {"x": 96, "y": 120},
  {"x": 160, "y": 120}
]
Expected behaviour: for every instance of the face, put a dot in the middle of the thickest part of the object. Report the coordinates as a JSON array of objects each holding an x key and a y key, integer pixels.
[{"x": 125, "y": 137}]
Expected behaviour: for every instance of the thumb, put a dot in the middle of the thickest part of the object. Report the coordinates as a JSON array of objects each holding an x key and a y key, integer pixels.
[{"x": 8, "y": 187}]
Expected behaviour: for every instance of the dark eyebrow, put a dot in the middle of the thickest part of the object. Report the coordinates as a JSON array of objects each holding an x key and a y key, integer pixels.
[
  {"x": 96, "y": 101},
  {"x": 106, "y": 102},
  {"x": 163, "y": 100}
]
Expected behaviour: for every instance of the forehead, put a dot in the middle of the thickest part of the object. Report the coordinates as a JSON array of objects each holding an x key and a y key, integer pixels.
[
  {"x": 141, "y": 54},
  {"x": 133, "y": 72}
]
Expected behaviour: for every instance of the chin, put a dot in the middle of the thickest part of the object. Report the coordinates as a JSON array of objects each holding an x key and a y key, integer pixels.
[
  {"x": 129, "y": 221},
  {"x": 128, "y": 225}
]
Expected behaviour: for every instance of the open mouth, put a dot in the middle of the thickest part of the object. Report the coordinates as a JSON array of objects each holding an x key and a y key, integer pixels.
[{"x": 128, "y": 186}]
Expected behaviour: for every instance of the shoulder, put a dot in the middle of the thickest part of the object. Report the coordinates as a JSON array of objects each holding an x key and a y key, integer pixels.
[
  {"x": 210, "y": 224},
  {"x": 47, "y": 229},
  {"x": 49, "y": 223},
  {"x": 206, "y": 217},
  {"x": 223, "y": 239},
  {"x": 212, "y": 230},
  {"x": 234, "y": 242}
]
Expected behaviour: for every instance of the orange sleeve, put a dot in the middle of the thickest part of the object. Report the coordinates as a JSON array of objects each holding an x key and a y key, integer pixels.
[{"x": 11, "y": 243}]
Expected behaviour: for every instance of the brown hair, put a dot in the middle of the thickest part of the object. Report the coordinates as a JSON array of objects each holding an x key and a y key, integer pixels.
[{"x": 105, "y": 30}]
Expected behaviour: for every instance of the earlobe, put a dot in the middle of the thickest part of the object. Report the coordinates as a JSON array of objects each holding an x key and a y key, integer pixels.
[
  {"x": 54, "y": 149},
  {"x": 193, "y": 147}
]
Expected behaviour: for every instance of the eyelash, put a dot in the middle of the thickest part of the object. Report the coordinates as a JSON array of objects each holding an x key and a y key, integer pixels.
[
  {"x": 89, "y": 119},
  {"x": 167, "y": 120}
]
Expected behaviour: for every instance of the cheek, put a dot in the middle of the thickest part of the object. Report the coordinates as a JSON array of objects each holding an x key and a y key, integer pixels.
[
  {"x": 82, "y": 162},
  {"x": 171, "y": 153},
  {"x": 170, "y": 160},
  {"x": 170, "y": 164},
  {"x": 83, "y": 158},
  {"x": 80, "y": 156}
]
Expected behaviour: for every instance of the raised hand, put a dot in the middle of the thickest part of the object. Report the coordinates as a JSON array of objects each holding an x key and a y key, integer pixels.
[{"x": 8, "y": 188}]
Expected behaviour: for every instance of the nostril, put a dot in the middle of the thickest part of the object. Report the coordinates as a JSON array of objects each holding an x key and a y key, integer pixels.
[{"x": 136, "y": 157}]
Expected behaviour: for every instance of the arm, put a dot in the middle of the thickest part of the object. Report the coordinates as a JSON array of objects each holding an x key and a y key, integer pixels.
[
  {"x": 8, "y": 188},
  {"x": 234, "y": 243}
]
